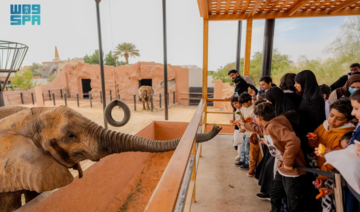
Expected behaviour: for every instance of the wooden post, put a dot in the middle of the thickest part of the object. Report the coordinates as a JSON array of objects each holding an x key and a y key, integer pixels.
[
  {"x": 110, "y": 96},
  {"x": 90, "y": 99},
  {"x": 338, "y": 194},
  {"x": 53, "y": 96},
  {"x": 205, "y": 65},
  {"x": 151, "y": 102},
  {"x": 160, "y": 99},
  {"x": 65, "y": 98},
  {"x": 135, "y": 102},
  {"x": 61, "y": 94},
  {"x": 49, "y": 95},
  {"x": 22, "y": 97},
  {"x": 173, "y": 97},
  {"x": 118, "y": 96},
  {"x": 32, "y": 98},
  {"x": 77, "y": 99},
  {"x": 248, "y": 47}
]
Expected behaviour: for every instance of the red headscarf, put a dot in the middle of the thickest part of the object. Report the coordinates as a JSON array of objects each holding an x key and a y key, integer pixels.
[{"x": 344, "y": 91}]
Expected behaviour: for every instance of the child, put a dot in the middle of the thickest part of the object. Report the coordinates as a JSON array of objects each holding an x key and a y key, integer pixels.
[
  {"x": 285, "y": 146},
  {"x": 238, "y": 137},
  {"x": 345, "y": 140},
  {"x": 330, "y": 134},
  {"x": 247, "y": 110},
  {"x": 326, "y": 93}
]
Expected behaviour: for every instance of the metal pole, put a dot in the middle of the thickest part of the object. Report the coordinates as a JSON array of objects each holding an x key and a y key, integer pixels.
[
  {"x": 90, "y": 99},
  {"x": 77, "y": 99},
  {"x": 53, "y": 96},
  {"x": 268, "y": 47},
  {"x": 238, "y": 47},
  {"x": 2, "y": 101},
  {"x": 61, "y": 94},
  {"x": 110, "y": 96},
  {"x": 173, "y": 97},
  {"x": 49, "y": 95},
  {"x": 32, "y": 98},
  {"x": 152, "y": 103},
  {"x": 101, "y": 60},
  {"x": 118, "y": 96},
  {"x": 160, "y": 99},
  {"x": 165, "y": 60},
  {"x": 134, "y": 102},
  {"x": 65, "y": 98},
  {"x": 22, "y": 98}
]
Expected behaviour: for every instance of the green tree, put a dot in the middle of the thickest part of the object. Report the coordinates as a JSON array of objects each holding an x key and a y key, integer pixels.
[
  {"x": 126, "y": 50},
  {"x": 92, "y": 59},
  {"x": 34, "y": 67},
  {"x": 23, "y": 80}
]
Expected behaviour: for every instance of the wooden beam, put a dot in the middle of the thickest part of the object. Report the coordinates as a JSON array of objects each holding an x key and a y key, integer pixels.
[
  {"x": 297, "y": 6},
  {"x": 249, "y": 24},
  {"x": 204, "y": 9},
  {"x": 200, "y": 10},
  {"x": 227, "y": 8},
  {"x": 218, "y": 5},
  {"x": 255, "y": 7},
  {"x": 205, "y": 65},
  {"x": 342, "y": 6},
  {"x": 302, "y": 14},
  {"x": 236, "y": 7}
]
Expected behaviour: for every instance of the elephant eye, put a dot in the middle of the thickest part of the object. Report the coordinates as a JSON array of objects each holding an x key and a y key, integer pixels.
[{"x": 71, "y": 135}]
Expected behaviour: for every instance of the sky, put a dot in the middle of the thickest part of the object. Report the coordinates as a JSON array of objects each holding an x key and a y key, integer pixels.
[{"x": 72, "y": 27}]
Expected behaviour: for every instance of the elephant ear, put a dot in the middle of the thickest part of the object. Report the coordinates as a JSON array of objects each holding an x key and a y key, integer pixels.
[{"x": 24, "y": 166}]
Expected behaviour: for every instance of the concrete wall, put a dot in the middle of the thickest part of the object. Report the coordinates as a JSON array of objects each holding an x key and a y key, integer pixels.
[{"x": 195, "y": 76}]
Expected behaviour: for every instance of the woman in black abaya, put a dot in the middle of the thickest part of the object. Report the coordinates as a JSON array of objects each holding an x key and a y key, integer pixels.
[{"x": 312, "y": 115}]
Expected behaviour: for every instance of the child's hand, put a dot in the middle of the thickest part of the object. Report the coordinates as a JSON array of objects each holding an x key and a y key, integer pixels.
[
  {"x": 251, "y": 92},
  {"x": 327, "y": 150},
  {"x": 318, "y": 183},
  {"x": 312, "y": 139},
  {"x": 262, "y": 141},
  {"x": 327, "y": 191},
  {"x": 243, "y": 130},
  {"x": 287, "y": 167}
]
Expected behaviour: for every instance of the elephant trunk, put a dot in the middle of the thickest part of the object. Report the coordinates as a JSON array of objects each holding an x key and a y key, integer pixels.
[{"x": 110, "y": 142}]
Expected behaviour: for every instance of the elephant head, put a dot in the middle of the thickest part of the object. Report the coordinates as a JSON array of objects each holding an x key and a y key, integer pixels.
[{"x": 38, "y": 145}]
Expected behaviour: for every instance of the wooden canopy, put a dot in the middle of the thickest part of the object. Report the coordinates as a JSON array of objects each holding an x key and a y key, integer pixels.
[{"x": 226, "y": 10}]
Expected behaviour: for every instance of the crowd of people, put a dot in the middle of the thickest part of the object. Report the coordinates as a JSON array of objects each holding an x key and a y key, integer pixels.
[{"x": 279, "y": 130}]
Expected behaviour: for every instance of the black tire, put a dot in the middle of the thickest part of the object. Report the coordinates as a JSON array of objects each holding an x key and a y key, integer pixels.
[{"x": 109, "y": 119}]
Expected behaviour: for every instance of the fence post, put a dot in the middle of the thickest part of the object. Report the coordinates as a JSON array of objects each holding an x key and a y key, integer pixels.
[
  {"x": 173, "y": 97},
  {"x": 152, "y": 103},
  {"x": 160, "y": 99},
  {"x": 53, "y": 96},
  {"x": 22, "y": 98},
  {"x": 77, "y": 99},
  {"x": 49, "y": 94},
  {"x": 61, "y": 94},
  {"x": 90, "y": 97},
  {"x": 100, "y": 97},
  {"x": 110, "y": 96},
  {"x": 43, "y": 98},
  {"x": 32, "y": 98},
  {"x": 65, "y": 99},
  {"x": 134, "y": 102},
  {"x": 338, "y": 194},
  {"x": 118, "y": 96}
]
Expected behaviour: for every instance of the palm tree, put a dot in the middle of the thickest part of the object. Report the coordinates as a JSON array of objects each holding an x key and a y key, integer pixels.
[{"x": 126, "y": 50}]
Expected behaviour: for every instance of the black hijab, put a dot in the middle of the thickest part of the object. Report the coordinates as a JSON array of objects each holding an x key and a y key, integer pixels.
[
  {"x": 242, "y": 86},
  {"x": 312, "y": 106},
  {"x": 277, "y": 97}
]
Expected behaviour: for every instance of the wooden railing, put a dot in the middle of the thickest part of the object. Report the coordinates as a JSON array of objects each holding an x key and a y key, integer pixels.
[{"x": 176, "y": 188}]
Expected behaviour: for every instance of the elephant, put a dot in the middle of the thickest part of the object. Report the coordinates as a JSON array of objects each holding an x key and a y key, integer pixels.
[
  {"x": 144, "y": 94},
  {"x": 38, "y": 145}
]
